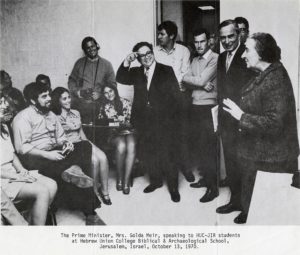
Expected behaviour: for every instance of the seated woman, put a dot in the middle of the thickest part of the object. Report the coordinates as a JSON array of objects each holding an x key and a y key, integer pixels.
[
  {"x": 17, "y": 182},
  {"x": 117, "y": 109},
  {"x": 71, "y": 122},
  {"x": 267, "y": 118}
]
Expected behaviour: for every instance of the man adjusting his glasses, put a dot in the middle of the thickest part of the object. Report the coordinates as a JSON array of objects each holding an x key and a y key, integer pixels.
[{"x": 155, "y": 104}]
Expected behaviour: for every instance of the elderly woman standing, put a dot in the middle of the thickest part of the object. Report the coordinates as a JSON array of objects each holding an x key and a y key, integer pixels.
[{"x": 267, "y": 118}]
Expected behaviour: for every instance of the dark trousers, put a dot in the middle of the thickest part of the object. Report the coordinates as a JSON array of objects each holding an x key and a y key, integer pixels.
[
  {"x": 229, "y": 139},
  {"x": 182, "y": 135},
  {"x": 203, "y": 143},
  {"x": 155, "y": 149},
  {"x": 84, "y": 199}
]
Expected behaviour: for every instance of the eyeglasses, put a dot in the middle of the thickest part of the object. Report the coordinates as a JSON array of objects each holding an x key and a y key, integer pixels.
[{"x": 147, "y": 54}]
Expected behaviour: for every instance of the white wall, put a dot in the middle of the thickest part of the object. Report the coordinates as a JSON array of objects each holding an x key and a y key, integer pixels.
[
  {"x": 172, "y": 10},
  {"x": 44, "y": 36},
  {"x": 277, "y": 17}
]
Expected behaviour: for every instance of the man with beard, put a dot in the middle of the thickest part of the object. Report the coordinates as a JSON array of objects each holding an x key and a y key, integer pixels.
[
  {"x": 89, "y": 75},
  {"x": 41, "y": 144}
]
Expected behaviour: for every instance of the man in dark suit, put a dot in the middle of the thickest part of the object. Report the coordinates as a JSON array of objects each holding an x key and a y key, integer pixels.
[
  {"x": 155, "y": 105},
  {"x": 232, "y": 75}
]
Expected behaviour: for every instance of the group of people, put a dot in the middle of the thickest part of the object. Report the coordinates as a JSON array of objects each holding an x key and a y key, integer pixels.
[{"x": 169, "y": 127}]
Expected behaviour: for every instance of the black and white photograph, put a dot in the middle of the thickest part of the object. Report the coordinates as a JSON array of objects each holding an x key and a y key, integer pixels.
[{"x": 150, "y": 126}]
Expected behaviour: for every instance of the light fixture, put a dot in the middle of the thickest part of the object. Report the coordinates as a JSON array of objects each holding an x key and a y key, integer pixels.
[{"x": 206, "y": 8}]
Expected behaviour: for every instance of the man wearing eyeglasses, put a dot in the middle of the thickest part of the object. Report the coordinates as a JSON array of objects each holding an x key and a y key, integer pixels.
[
  {"x": 155, "y": 105},
  {"x": 90, "y": 73}
]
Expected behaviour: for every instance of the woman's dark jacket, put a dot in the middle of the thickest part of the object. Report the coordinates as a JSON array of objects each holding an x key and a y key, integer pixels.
[{"x": 268, "y": 128}]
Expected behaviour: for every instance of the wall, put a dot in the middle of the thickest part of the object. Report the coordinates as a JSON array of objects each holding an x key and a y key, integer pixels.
[
  {"x": 172, "y": 10},
  {"x": 280, "y": 19},
  {"x": 44, "y": 36}
]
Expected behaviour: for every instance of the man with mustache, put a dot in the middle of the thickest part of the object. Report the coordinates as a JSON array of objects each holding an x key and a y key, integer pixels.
[{"x": 40, "y": 142}]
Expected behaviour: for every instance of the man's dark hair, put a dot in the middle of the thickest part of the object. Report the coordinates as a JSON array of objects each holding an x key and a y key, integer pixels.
[
  {"x": 88, "y": 39},
  {"x": 140, "y": 45},
  {"x": 200, "y": 31},
  {"x": 170, "y": 27},
  {"x": 266, "y": 47},
  {"x": 228, "y": 22},
  {"x": 33, "y": 90},
  {"x": 42, "y": 78},
  {"x": 242, "y": 20}
]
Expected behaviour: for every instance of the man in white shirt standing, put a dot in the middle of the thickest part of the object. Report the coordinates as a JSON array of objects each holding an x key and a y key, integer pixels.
[{"x": 170, "y": 53}]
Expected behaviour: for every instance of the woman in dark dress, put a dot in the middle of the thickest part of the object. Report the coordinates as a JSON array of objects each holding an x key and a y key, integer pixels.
[{"x": 268, "y": 138}]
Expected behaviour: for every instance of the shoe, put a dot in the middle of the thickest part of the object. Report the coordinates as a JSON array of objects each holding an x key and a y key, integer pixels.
[
  {"x": 152, "y": 187},
  {"x": 93, "y": 219},
  {"x": 189, "y": 176},
  {"x": 199, "y": 184},
  {"x": 126, "y": 190},
  {"x": 296, "y": 180},
  {"x": 228, "y": 208},
  {"x": 119, "y": 186},
  {"x": 75, "y": 176},
  {"x": 105, "y": 198},
  {"x": 241, "y": 218},
  {"x": 224, "y": 183},
  {"x": 210, "y": 195},
  {"x": 175, "y": 196}
]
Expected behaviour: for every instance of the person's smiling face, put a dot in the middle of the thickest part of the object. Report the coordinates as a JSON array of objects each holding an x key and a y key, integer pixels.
[
  {"x": 91, "y": 49},
  {"x": 145, "y": 56},
  {"x": 229, "y": 37},
  {"x": 109, "y": 94},
  {"x": 65, "y": 101}
]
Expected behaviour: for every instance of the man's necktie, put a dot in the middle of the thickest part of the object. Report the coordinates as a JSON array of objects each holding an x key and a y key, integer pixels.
[
  {"x": 147, "y": 72},
  {"x": 229, "y": 54}
]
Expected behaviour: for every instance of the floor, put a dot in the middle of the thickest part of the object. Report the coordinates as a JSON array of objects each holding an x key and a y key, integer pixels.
[{"x": 274, "y": 202}]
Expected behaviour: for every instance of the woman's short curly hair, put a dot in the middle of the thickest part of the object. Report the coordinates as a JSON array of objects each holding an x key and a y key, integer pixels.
[{"x": 266, "y": 47}]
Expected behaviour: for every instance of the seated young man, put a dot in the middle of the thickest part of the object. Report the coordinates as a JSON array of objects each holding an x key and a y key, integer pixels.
[{"x": 41, "y": 143}]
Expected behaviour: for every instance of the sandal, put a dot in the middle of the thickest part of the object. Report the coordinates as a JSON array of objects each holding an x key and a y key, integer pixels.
[{"x": 105, "y": 198}]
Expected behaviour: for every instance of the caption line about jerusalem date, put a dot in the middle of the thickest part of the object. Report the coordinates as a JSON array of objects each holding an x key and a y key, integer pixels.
[{"x": 150, "y": 241}]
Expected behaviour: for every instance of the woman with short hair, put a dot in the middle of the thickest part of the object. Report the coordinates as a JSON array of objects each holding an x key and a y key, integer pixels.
[{"x": 266, "y": 114}]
